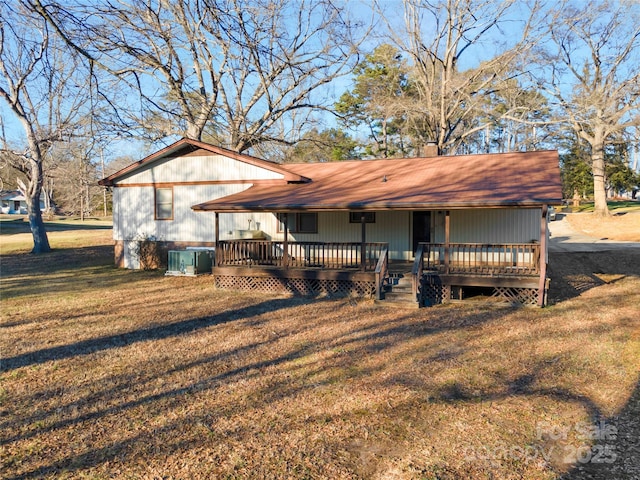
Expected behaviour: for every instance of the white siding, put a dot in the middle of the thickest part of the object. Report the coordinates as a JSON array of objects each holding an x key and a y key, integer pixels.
[
  {"x": 500, "y": 225},
  {"x": 240, "y": 221},
  {"x": 198, "y": 168},
  {"x": 133, "y": 213},
  {"x": 393, "y": 228}
]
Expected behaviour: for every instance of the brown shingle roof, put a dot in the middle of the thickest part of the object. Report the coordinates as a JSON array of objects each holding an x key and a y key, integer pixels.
[{"x": 489, "y": 180}]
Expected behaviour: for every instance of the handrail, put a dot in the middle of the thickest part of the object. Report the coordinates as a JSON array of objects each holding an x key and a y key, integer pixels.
[
  {"x": 325, "y": 255},
  {"x": 417, "y": 271},
  {"x": 482, "y": 258},
  {"x": 382, "y": 272}
]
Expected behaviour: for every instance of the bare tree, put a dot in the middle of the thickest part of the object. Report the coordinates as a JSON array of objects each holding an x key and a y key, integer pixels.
[
  {"x": 41, "y": 87},
  {"x": 231, "y": 71},
  {"x": 74, "y": 174},
  {"x": 444, "y": 39},
  {"x": 591, "y": 67}
]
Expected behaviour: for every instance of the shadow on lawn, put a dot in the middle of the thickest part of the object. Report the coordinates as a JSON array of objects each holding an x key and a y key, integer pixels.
[
  {"x": 62, "y": 270},
  {"x": 573, "y": 273},
  {"x": 165, "y": 441},
  {"x": 341, "y": 367},
  {"x": 341, "y": 360},
  {"x": 58, "y": 259},
  {"x": 615, "y": 452},
  {"x": 20, "y": 225},
  {"x": 607, "y": 448},
  {"x": 93, "y": 345}
]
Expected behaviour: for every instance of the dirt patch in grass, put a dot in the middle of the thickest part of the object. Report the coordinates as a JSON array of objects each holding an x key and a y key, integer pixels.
[
  {"x": 110, "y": 373},
  {"x": 623, "y": 226}
]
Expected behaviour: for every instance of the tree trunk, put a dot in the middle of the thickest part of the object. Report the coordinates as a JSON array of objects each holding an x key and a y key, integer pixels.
[
  {"x": 36, "y": 224},
  {"x": 599, "y": 188},
  {"x": 194, "y": 132},
  {"x": 32, "y": 194}
]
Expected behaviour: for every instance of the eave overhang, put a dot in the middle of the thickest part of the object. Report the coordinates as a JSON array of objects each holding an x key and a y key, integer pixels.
[
  {"x": 185, "y": 146},
  {"x": 374, "y": 206}
]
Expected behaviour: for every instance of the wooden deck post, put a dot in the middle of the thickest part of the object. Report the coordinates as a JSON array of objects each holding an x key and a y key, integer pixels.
[
  {"x": 285, "y": 243},
  {"x": 363, "y": 246},
  {"x": 447, "y": 224},
  {"x": 217, "y": 237},
  {"x": 543, "y": 257}
]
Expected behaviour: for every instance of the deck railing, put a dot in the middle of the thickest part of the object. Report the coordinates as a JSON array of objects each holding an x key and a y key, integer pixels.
[
  {"x": 482, "y": 259},
  {"x": 382, "y": 272},
  {"x": 417, "y": 270},
  {"x": 325, "y": 255}
]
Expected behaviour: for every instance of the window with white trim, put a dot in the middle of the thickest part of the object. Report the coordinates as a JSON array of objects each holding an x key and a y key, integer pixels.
[{"x": 164, "y": 203}]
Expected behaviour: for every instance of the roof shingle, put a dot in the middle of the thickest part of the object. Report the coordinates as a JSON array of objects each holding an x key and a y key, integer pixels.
[{"x": 487, "y": 180}]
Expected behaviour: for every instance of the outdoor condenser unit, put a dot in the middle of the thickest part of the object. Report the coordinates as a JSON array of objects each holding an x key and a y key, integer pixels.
[{"x": 189, "y": 262}]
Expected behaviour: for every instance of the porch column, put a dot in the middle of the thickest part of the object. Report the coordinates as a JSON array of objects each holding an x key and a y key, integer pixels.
[
  {"x": 447, "y": 224},
  {"x": 285, "y": 242},
  {"x": 217, "y": 237},
  {"x": 542, "y": 260},
  {"x": 363, "y": 243}
]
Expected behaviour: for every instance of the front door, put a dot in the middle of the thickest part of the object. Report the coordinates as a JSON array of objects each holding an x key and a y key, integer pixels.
[{"x": 421, "y": 228}]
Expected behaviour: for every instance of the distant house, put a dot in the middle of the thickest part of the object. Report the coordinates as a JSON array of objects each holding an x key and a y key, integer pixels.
[
  {"x": 13, "y": 202},
  {"x": 444, "y": 225}
]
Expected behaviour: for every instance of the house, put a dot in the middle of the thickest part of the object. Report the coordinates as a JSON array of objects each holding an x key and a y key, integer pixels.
[
  {"x": 13, "y": 202},
  {"x": 449, "y": 224}
]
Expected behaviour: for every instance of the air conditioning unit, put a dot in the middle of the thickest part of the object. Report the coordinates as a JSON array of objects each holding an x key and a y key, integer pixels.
[{"x": 189, "y": 262}]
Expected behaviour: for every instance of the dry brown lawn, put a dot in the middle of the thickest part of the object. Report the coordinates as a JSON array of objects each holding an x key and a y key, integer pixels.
[
  {"x": 109, "y": 373},
  {"x": 621, "y": 226}
]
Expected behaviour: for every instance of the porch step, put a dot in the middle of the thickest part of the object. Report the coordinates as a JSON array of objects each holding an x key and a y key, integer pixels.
[
  {"x": 400, "y": 292},
  {"x": 399, "y": 299}
]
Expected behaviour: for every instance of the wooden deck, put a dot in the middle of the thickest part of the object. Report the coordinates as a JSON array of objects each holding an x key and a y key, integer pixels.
[
  {"x": 439, "y": 272},
  {"x": 307, "y": 268},
  {"x": 512, "y": 271}
]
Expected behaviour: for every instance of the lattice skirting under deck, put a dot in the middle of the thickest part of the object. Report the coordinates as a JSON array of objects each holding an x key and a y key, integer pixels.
[
  {"x": 433, "y": 292},
  {"x": 297, "y": 286},
  {"x": 524, "y": 296}
]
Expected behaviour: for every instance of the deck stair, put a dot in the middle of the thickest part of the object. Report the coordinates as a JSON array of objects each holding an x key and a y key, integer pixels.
[{"x": 399, "y": 290}]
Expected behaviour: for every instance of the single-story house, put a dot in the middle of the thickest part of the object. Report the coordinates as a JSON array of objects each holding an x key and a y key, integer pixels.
[
  {"x": 13, "y": 202},
  {"x": 442, "y": 225}
]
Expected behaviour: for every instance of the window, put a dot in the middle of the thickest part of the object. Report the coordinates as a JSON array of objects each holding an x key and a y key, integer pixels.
[
  {"x": 369, "y": 217},
  {"x": 299, "y": 222},
  {"x": 164, "y": 203}
]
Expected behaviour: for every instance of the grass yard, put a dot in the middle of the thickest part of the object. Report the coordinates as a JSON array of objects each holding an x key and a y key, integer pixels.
[
  {"x": 624, "y": 226},
  {"x": 615, "y": 206},
  {"x": 108, "y": 373},
  {"x": 63, "y": 232}
]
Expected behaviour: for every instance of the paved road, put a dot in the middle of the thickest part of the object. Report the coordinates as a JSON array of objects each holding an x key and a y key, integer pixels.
[{"x": 565, "y": 239}]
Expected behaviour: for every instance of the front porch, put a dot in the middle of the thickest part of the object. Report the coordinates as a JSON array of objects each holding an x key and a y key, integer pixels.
[{"x": 439, "y": 273}]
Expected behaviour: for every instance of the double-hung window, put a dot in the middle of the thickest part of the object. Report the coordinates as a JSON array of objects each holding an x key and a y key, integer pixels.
[{"x": 164, "y": 203}]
